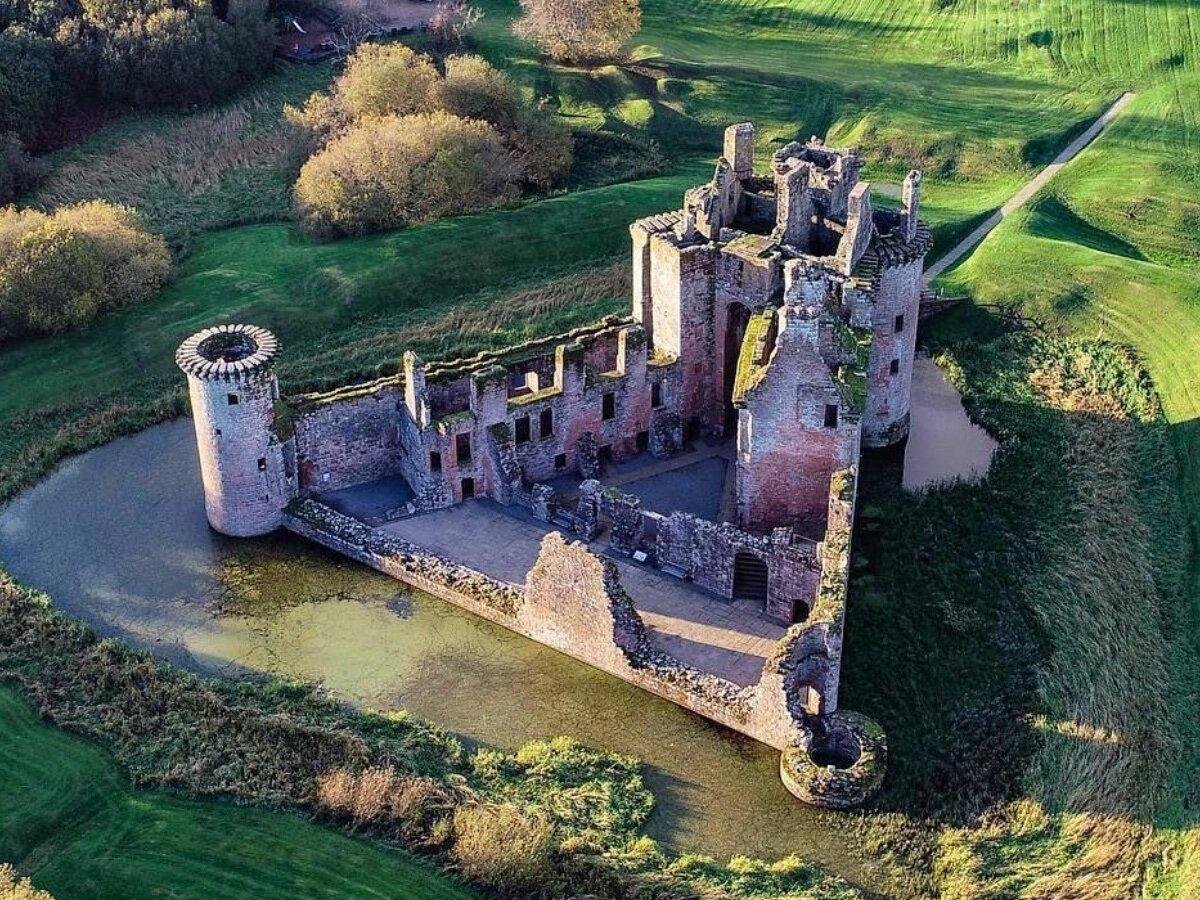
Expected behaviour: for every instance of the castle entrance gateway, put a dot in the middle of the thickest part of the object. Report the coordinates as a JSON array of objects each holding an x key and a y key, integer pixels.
[{"x": 750, "y": 576}]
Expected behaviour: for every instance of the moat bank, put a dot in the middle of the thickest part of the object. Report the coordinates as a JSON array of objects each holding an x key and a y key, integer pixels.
[{"x": 118, "y": 537}]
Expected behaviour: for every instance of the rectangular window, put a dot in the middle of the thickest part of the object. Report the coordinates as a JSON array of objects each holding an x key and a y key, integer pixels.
[
  {"x": 435, "y": 461},
  {"x": 262, "y": 464},
  {"x": 232, "y": 398},
  {"x": 643, "y": 441},
  {"x": 899, "y": 324},
  {"x": 656, "y": 394},
  {"x": 468, "y": 488},
  {"x": 462, "y": 449},
  {"x": 523, "y": 430},
  {"x": 560, "y": 461},
  {"x": 546, "y": 424},
  {"x": 895, "y": 367},
  {"x": 608, "y": 406},
  {"x": 605, "y": 453},
  {"x": 831, "y": 415}
]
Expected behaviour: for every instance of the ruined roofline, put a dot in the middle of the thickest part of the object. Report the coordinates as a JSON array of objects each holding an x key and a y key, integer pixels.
[
  {"x": 461, "y": 366},
  {"x": 456, "y": 367}
]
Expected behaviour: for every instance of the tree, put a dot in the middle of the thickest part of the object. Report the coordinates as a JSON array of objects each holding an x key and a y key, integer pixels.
[
  {"x": 581, "y": 31},
  {"x": 541, "y": 145},
  {"x": 396, "y": 171},
  {"x": 386, "y": 80},
  {"x": 452, "y": 23},
  {"x": 61, "y": 270},
  {"x": 27, "y": 80},
  {"x": 165, "y": 52}
]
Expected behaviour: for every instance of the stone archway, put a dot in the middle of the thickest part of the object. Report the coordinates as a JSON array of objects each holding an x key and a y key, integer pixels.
[{"x": 737, "y": 317}]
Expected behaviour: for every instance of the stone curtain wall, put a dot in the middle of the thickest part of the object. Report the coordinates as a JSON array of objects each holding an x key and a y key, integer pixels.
[
  {"x": 346, "y": 438},
  {"x": 489, "y": 597},
  {"x": 704, "y": 552},
  {"x": 573, "y": 601}
]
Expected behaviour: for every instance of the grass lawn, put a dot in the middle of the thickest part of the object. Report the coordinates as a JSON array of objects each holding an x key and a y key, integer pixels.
[
  {"x": 72, "y": 821},
  {"x": 1112, "y": 248}
]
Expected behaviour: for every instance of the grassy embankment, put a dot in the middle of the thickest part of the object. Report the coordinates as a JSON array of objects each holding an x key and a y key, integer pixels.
[
  {"x": 1111, "y": 249},
  {"x": 72, "y": 817},
  {"x": 977, "y": 92}
]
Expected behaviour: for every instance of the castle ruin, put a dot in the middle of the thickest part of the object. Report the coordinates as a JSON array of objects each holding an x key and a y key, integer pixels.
[{"x": 772, "y": 334}]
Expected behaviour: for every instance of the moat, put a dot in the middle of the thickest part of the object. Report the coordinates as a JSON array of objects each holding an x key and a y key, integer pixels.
[{"x": 148, "y": 568}]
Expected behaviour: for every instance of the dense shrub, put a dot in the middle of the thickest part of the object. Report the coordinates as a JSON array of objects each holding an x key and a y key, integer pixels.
[
  {"x": 14, "y": 887},
  {"x": 400, "y": 170},
  {"x": 579, "y": 30},
  {"x": 505, "y": 848},
  {"x": 18, "y": 170},
  {"x": 28, "y": 80},
  {"x": 383, "y": 80},
  {"x": 62, "y": 270},
  {"x": 372, "y": 170},
  {"x": 541, "y": 146},
  {"x": 171, "y": 52},
  {"x": 142, "y": 52}
]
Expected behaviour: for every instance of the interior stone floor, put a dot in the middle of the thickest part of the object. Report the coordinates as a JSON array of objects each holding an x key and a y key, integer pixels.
[{"x": 730, "y": 639}]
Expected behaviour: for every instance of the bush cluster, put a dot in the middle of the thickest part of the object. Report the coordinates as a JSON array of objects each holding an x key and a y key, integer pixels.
[
  {"x": 14, "y": 887},
  {"x": 397, "y": 142},
  {"x": 55, "y": 53},
  {"x": 579, "y": 31},
  {"x": 63, "y": 269}
]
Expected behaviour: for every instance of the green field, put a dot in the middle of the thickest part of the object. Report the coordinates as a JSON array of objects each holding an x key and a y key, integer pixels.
[
  {"x": 71, "y": 816},
  {"x": 979, "y": 94}
]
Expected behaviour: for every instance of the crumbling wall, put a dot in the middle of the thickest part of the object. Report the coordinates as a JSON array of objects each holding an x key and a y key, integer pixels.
[{"x": 704, "y": 552}]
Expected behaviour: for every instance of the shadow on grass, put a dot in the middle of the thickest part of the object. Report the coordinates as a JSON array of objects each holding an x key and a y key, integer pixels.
[
  {"x": 1050, "y": 218},
  {"x": 947, "y": 648}
]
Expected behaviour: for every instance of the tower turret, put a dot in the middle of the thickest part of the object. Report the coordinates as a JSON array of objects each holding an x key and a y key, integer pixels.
[
  {"x": 899, "y": 246},
  {"x": 247, "y": 453}
]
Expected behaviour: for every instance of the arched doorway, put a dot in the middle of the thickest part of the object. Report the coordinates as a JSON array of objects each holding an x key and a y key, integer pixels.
[
  {"x": 749, "y": 578},
  {"x": 737, "y": 317}
]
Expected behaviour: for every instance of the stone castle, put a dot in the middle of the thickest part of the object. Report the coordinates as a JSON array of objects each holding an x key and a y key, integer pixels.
[{"x": 773, "y": 325}]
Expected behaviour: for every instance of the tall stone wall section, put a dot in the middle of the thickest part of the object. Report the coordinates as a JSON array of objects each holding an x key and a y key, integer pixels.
[
  {"x": 348, "y": 438},
  {"x": 891, "y": 278}
]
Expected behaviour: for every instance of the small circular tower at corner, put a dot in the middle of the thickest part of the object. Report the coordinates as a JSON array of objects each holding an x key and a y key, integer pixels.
[{"x": 247, "y": 467}]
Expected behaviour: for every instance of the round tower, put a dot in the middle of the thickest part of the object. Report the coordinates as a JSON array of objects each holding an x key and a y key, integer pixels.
[
  {"x": 247, "y": 466},
  {"x": 899, "y": 246}
]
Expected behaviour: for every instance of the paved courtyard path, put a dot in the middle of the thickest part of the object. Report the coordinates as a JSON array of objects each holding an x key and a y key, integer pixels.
[{"x": 1026, "y": 193}]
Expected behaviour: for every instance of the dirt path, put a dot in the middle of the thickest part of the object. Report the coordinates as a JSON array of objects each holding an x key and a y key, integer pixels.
[{"x": 1021, "y": 197}]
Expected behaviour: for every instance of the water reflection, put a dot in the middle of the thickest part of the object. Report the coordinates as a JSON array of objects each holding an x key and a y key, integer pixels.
[
  {"x": 943, "y": 443},
  {"x": 118, "y": 537}
]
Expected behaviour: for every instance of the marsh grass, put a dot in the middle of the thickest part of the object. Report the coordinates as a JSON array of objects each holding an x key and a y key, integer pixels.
[
  {"x": 196, "y": 172},
  {"x": 1013, "y": 635},
  {"x": 1109, "y": 567}
]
